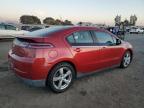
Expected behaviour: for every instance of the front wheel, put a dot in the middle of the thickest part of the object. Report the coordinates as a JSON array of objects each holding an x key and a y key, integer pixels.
[
  {"x": 61, "y": 77},
  {"x": 126, "y": 60}
]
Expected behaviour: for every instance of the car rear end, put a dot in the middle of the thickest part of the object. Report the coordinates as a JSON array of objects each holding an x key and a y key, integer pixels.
[
  {"x": 27, "y": 59},
  {"x": 32, "y": 56}
]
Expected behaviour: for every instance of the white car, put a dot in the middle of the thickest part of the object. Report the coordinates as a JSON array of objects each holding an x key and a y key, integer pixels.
[
  {"x": 139, "y": 30},
  {"x": 136, "y": 30},
  {"x": 10, "y": 31}
]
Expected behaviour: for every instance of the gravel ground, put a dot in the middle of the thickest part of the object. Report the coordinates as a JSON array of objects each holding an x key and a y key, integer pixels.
[{"x": 114, "y": 88}]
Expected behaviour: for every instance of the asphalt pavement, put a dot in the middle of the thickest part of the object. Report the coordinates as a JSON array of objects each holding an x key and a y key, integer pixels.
[{"x": 114, "y": 88}]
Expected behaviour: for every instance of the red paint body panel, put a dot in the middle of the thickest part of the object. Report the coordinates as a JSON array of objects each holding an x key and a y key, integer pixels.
[{"x": 36, "y": 63}]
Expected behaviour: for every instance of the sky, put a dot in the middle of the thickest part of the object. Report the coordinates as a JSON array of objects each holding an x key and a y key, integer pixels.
[{"x": 95, "y": 11}]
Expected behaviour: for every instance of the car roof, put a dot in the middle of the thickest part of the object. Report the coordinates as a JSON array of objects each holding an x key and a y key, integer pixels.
[
  {"x": 57, "y": 29},
  {"x": 80, "y": 27}
]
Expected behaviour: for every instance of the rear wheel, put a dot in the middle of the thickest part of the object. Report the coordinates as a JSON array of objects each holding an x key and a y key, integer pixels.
[
  {"x": 61, "y": 77},
  {"x": 126, "y": 59}
]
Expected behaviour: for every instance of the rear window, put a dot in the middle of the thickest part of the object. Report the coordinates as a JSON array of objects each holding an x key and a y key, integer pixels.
[{"x": 45, "y": 32}]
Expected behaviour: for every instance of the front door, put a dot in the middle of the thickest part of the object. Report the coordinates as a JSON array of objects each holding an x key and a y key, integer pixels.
[
  {"x": 110, "y": 52},
  {"x": 85, "y": 53}
]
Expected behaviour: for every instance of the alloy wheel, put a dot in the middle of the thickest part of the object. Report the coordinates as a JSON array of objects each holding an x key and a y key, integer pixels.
[
  {"x": 62, "y": 78},
  {"x": 127, "y": 59}
]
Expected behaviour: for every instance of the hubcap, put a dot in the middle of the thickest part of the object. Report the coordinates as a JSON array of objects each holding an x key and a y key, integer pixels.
[
  {"x": 62, "y": 78},
  {"x": 127, "y": 59}
]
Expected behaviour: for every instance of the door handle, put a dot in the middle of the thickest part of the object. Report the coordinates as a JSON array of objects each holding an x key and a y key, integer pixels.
[
  {"x": 77, "y": 49},
  {"x": 104, "y": 47}
]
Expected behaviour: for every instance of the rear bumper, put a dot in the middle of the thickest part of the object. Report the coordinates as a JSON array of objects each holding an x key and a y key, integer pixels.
[
  {"x": 35, "y": 83},
  {"x": 31, "y": 71}
]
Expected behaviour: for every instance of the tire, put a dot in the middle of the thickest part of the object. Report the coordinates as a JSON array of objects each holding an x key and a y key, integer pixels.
[
  {"x": 61, "y": 77},
  {"x": 126, "y": 60}
]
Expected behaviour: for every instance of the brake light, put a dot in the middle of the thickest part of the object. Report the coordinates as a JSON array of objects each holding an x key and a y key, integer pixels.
[
  {"x": 33, "y": 46},
  {"x": 40, "y": 45}
]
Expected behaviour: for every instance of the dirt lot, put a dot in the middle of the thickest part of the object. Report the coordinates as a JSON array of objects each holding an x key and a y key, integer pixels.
[{"x": 115, "y": 88}]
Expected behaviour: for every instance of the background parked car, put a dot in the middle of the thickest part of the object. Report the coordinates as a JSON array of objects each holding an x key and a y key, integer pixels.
[
  {"x": 9, "y": 31},
  {"x": 32, "y": 27},
  {"x": 136, "y": 30},
  {"x": 140, "y": 30},
  {"x": 35, "y": 28},
  {"x": 26, "y": 28}
]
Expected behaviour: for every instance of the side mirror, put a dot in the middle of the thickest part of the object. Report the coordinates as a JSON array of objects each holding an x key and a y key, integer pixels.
[{"x": 118, "y": 42}]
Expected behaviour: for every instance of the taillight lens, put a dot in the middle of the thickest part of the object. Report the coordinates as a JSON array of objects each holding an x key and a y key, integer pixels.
[{"x": 33, "y": 46}]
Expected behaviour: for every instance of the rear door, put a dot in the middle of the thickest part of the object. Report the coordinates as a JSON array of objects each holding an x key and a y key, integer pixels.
[
  {"x": 110, "y": 53},
  {"x": 86, "y": 54}
]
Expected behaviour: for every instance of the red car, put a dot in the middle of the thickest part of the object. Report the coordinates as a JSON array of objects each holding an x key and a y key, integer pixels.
[{"x": 55, "y": 56}]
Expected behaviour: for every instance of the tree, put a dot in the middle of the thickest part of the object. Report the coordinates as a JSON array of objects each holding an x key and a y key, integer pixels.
[
  {"x": 126, "y": 22},
  {"x": 58, "y": 22},
  {"x": 67, "y": 22},
  {"x": 52, "y": 21},
  {"x": 117, "y": 20},
  {"x": 133, "y": 19},
  {"x": 122, "y": 26},
  {"x": 132, "y": 22},
  {"x": 49, "y": 21},
  {"x": 80, "y": 23},
  {"x": 28, "y": 19}
]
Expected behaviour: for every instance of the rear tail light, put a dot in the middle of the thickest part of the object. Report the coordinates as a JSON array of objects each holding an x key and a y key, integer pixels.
[
  {"x": 27, "y": 48},
  {"x": 34, "y": 46},
  {"x": 40, "y": 45}
]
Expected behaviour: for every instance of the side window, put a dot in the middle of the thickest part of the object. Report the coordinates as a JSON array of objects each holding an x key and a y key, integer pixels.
[
  {"x": 2, "y": 27},
  {"x": 104, "y": 38},
  {"x": 71, "y": 39},
  {"x": 83, "y": 37},
  {"x": 9, "y": 27}
]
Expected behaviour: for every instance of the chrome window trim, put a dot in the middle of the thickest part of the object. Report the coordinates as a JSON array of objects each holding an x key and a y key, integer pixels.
[{"x": 85, "y": 46}]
